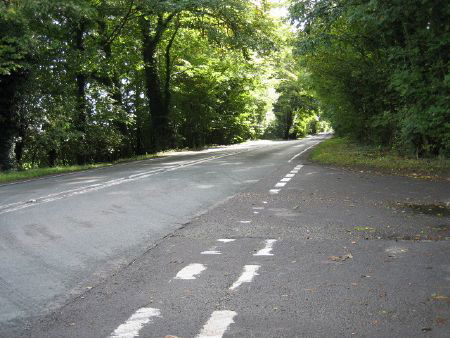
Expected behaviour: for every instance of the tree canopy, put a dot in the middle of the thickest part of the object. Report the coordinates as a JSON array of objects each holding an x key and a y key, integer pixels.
[{"x": 85, "y": 81}]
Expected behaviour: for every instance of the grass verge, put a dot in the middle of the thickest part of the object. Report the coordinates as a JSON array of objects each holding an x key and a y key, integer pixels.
[
  {"x": 20, "y": 175},
  {"x": 345, "y": 153}
]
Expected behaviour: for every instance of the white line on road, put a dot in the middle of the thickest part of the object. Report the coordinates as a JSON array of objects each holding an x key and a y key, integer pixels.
[
  {"x": 211, "y": 252},
  {"x": 245, "y": 222},
  {"x": 226, "y": 240},
  {"x": 280, "y": 185},
  {"x": 190, "y": 271},
  {"x": 135, "y": 323},
  {"x": 250, "y": 271},
  {"x": 293, "y": 158},
  {"x": 290, "y": 175},
  {"x": 217, "y": 324},
  {"x": 266, "y": 251},
  {"x": 258, "y": 208},
  {"x": 286, "y": 179},
  {"x": 99, "y": 186},
  {"x": 274, "y": 191}
]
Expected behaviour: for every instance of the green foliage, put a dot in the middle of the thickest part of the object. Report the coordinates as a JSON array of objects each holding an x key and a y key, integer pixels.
[
  {"x": 346, "y": 153},
  {"x": 380, "y": 69},
  {"x": 96, "y": 80}
]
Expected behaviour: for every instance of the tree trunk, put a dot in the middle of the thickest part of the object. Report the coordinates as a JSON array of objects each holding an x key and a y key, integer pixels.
[
  {"x": 159, "y": 113},
  {"x": 81, "y": 80},
  {"x": 9, "y": 85}
]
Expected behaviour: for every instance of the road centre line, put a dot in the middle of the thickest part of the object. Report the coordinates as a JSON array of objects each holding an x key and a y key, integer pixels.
[
  {"x": 267, "y": 250},
  {"x": 211, "y": 252},
  {"x": 190, "y": 271},
  {"x": 135, "y": 323},
  {"x": 99, "y": 186},
  {"x": 217, "y": 324},
  {"x": 250, "y": 271}
]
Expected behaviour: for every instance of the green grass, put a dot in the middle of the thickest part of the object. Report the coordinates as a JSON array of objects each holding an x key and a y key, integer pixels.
[
  {"x": 345, "y": 153},
  {"x": 19, "y": 175}
]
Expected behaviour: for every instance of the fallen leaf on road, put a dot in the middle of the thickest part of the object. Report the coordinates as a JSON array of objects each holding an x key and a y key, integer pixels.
[
  {"x": 341, "y": 258},
  {"x": 438, "y": 296},
  {"x": 363, "y": 228}
]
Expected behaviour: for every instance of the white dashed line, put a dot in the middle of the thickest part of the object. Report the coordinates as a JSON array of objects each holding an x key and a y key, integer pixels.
[
  {"x": 258, "y": 208},
  {"x": 250, "y": 271},
  {"x": 286, "y": 179},
  {"x": 266, "y": 251},
  {"x": 217, "y": 324},
  {"x": 211, "y": 252},
  {"x": 274, "y": 191},
  {"x": 280, "y": 185},
  {"x": 226, "y": 240},
  {"x": 245, "y": 222},
  {"x": 190, "y": 271},
  {"x": 290, "y": 175},
  {"x": 135, "y": 323}
]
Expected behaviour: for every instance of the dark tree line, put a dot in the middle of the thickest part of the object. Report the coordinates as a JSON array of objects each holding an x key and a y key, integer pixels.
[
  {"x": 96, "y": 80},
  {"x": 380, "y": 69}
]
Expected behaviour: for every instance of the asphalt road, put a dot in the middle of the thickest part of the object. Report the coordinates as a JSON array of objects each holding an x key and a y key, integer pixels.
[{"x": 243, "y": 241}]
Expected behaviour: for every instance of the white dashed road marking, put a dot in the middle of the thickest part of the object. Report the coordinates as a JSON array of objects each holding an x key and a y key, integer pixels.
[
  {"x": 250, "y": 271},
  {"x": 217, "y": 324},
  {"x": 274, "y": 191},
  {"x": 266, "y": 251},
  {"x": 226, "y": 240},
  {"x": 211, "y": 252},
  {"x": 190, "y": 271},
  {"x": 135, "y": 323},
  {"x": 280, "y": 185}
]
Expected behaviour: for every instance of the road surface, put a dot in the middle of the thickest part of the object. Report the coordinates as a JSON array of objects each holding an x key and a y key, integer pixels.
[{"x": 242, "y": 241}]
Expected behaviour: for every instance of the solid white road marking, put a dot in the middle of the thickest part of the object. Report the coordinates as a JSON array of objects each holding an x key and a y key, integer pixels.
[
  {"x": 226, "y": 240},
  {"x": 211, "y": 252},
  {"x": 190, "y": 271},
  {"x": 266, "y": 251},
  {"x": 280, "y": 185},
  {"x": 135, "y": 323},
  {"x": 217, "y": 324},
  {"x": 250, "y": 271},
  {"x": 274, "y": 191},
  {"x": 293, "y": 158},
  {"x": 99, "y": 186},
  {"x": 286, "y": 179}
]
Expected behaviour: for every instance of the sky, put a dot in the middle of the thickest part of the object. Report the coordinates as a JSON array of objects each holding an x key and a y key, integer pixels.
[{"x": 280, "y": 11}]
